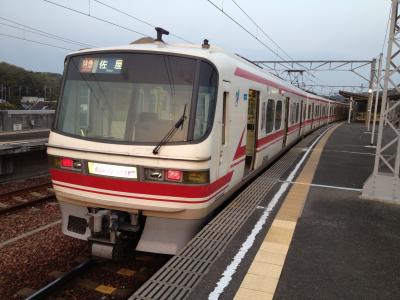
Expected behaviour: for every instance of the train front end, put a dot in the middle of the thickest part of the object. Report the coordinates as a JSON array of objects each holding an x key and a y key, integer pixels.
[{"x": 131, "y": 150}]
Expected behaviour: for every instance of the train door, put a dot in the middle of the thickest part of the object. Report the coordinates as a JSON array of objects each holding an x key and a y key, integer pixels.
[
  {"x": 286, "y": 122},
  {"x": 301, "y": 116},
  {"x": 251, "y": 135},
  {"x": 224, "y": 145}
]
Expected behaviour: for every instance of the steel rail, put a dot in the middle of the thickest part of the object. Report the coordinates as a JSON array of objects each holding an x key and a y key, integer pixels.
[
  {"x": 25, "y": 189},
  {"x": 15, "y": 207},
  {"x": 62, "y": 280}
]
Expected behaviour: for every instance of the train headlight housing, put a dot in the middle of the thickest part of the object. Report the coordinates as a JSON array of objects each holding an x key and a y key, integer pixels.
[
  {"x": 174, "y": 175},
  {"x": 198, "y": 177},
  {"x": 154, "y": 174},
  {"x": 66, "y": 163},
  {"x": 178, "y": 176}
]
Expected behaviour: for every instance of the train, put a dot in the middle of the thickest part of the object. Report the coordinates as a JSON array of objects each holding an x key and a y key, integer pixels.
[{"x": 150, "y": 138}]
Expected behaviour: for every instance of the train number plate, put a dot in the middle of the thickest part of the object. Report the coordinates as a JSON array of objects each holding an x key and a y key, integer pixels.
[{"x": 112, "y": 170}]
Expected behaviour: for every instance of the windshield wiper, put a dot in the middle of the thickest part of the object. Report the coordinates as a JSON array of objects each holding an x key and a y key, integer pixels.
[{"x": 171, "y": 132}]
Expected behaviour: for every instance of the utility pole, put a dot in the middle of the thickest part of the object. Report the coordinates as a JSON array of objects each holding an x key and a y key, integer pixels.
[{"x": 384, "y": 182}]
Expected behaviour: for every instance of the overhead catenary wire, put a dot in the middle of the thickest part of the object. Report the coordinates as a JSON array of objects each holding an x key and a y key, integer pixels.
[
  {"x": 269, "y": 37},
  {"x": 96, "y": 18},
  {"x": 42, "y": 33},
  {"x": 37, "y": 42},
  {"x": 245, "y": 29},
  {"x": 250, "y": 33},
  {"x": 262, "y": 30},
  {"x": 138, "y": 19}
]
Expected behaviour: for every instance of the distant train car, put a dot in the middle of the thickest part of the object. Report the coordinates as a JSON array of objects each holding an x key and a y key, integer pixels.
[{"x": 149, "y": 138}]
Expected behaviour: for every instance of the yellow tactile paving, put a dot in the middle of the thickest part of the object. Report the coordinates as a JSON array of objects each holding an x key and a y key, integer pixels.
[
  {"x": 105, "y": 289},
  {"x": 248, "y": 294},
  {"x": 265, "y": 256},
  {"x": 274, "y": 247},
  {"x": 126, "y": 272},
  {"x": 260, "y": 283},
  {"x": 262, "y": 278},
  {"x": 266, "y": 269}
]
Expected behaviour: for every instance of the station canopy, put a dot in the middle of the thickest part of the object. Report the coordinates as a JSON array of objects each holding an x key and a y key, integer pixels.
[{"x": 392, "y": 95}]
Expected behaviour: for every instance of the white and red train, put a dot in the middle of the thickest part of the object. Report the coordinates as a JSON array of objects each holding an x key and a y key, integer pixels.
[{"x": 149, "y": 138}]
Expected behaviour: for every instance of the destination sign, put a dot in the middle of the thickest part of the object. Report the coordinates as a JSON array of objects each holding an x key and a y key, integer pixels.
[
  {"x": 101, "y": 65},
  {"x": 112, "y": 170}
]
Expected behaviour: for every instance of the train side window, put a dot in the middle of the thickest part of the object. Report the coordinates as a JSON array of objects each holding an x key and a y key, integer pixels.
[
  {"x": 223, "y": 137},
  {"x": 270, "y": 116},
  {"x": 278, "y": 115},
  {"x": 297, "y": 112},
  {"x": 309, "y": 111},
  {"x": 293, "y": 113},
  {"x": 263, "y": 115}
]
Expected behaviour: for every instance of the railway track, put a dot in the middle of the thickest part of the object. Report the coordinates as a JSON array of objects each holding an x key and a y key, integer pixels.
[
  {"x": 24, "y": 189},
  {"x": 25, "y": 196},
  {"x": 105, "y": 279}
]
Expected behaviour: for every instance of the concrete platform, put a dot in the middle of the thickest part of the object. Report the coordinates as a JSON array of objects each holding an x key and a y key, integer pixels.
[
  {"x": 23, "y": 154},
  {"x": 321, "y": 241},
  {"x": 23, "y": 141}
]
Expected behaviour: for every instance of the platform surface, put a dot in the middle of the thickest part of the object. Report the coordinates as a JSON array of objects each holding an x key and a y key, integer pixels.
[
  {"x": 343, "y": 246},
  {"x": 338, "y": 246}
]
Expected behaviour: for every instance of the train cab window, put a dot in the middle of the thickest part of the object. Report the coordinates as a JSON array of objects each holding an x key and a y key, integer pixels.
[
  {"x": 136, "y": 97},
  {"x": 278, "y": 115},
  {"x": 206, "y": 100},
  {"x": 270, "y": 116}
]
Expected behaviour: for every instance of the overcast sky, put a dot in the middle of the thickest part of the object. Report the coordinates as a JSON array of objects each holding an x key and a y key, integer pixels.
[{"x": 306, "y": 29}]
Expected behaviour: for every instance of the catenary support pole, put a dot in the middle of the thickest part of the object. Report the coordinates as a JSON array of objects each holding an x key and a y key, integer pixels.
[
  {"x": 370, "y": 93},
  {"x": 350, "y": 110},
  {"x": 384, "y": 182},
  {"x": 378, "y": 84}
]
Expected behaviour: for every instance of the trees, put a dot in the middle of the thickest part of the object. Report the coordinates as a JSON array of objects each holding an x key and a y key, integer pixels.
[{"x": 16, "y": 82}]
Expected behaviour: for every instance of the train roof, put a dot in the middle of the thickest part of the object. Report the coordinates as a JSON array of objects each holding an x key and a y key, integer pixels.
[{"x": 217, "y": 56}]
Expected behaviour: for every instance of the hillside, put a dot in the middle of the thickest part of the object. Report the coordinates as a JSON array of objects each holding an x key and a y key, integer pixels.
[{"x": 18, "y": 82}]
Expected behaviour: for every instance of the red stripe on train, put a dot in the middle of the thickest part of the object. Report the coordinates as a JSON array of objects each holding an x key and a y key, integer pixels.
[
  {"x": 240, "y": 150},
  {"x": 149, "y": 188},
  {"x": 141, "y": 198},
  {"x": 253, "y": 77}
]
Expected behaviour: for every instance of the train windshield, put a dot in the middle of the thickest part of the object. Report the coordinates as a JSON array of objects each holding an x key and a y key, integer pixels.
[{"x": 136, "y": 97}]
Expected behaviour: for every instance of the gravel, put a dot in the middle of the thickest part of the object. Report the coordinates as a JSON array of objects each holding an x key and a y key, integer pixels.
[
  {"x": 28, "y": 263},
  {"x": 10, "y": 186},
  {"x": 27, "y": 219}
]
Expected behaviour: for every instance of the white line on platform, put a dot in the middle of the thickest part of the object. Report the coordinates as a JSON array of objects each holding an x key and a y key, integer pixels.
[
  {"x": 29, "y": 233},
  {"x": 351, "y": 152},
  {"x": 370, "y": 146},
  {"x": 248, "y": 243},
  {"x": 321, "y": 185}
]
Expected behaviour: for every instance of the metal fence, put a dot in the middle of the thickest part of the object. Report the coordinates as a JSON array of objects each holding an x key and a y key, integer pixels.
[{"x": 16, "y": 120}]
